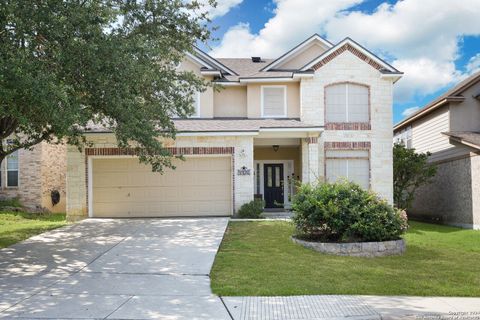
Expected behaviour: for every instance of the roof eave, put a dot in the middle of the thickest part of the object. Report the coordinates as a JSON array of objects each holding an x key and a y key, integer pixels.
[
  {"x": 358, "y": 47},
  {"x": 427, "y": 110},
  {"x": 295, "y": 49},
  {"x": 462, "y": 141}
]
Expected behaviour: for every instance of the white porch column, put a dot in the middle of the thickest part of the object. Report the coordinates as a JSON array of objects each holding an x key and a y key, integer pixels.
[
  {"x": 243, "y": 171},
  {"x": 310, "y": 165}
]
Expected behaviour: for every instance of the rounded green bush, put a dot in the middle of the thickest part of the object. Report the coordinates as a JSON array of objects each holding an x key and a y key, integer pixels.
[
  {"x": 251, "y": 210},
  {"x": 344, "y": 212}
]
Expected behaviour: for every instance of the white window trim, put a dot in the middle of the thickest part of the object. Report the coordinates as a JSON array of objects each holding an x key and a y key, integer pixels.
[
  {"x": 288, "y": 166},
  {"x": 347, "y": 107},
  {"x": 369, "y": 158},
  {"x": 284, "y": 115},
  {"x": 7, "y": 170}
]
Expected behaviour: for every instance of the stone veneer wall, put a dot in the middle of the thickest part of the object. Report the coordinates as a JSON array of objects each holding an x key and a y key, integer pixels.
[
  {"x": 53, "y": 175},
  {"x": 29, "y": 180},
  {"x": 475, "y": 162},
  {"x": 76, "y": 172},
  {"x": 347, "y": 67},
  {"x": 453, "y": 197},
  {"x": 40, "y": 170}
]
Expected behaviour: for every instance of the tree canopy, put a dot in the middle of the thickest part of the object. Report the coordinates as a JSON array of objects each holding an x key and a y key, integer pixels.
[{"x": 67, "y": 63}]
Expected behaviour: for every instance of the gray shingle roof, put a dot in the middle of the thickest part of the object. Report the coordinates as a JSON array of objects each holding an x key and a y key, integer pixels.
[
  {"x": 223, "y": 125},
  {"x": 246, "y": 68}
]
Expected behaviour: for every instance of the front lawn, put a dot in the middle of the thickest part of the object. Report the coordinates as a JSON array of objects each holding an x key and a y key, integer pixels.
[
  {"x": 258, "y": 258},
  {"x": 18, "y": 226}
]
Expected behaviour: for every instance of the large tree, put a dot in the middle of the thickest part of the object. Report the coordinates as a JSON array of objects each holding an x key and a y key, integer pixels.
[{"x": 67, "y": 63}]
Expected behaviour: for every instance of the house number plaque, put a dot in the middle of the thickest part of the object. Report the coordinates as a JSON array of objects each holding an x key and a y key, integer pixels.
[{"x": 243, "y": 171}]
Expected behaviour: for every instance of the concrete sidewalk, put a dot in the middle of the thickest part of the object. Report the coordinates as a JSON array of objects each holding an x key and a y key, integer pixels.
[{"x": 351, "y": 307}]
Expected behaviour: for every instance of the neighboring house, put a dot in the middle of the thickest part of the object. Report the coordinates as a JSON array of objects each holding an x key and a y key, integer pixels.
[
  {"x": 32, "y": 176},
  {"x": 319, "y": 111},
  {"x": 449, "y": 128}
]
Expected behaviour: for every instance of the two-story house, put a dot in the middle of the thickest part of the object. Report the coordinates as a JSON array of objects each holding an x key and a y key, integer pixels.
[
  {"x": 448, "y": 128},
  {"x": 318, "y": 112}
]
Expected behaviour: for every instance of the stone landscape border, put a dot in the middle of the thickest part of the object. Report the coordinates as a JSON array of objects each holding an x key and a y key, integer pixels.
[{"x": 357, "y": 249}]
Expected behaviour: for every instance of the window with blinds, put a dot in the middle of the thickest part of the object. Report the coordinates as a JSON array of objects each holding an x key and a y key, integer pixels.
[
  {"x": 347, "y": 102},
  {"x": 353, "y": 165},
  {"x": 196, "y": 105},
  {"x": 274, "y": 101}
]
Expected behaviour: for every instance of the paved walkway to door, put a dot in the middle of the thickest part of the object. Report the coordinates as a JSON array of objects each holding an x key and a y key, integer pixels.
[{"x": 114, "y": 269}]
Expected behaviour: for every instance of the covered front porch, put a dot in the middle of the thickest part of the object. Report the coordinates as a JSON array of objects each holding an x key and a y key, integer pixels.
[{"x": 280, "y": 162}]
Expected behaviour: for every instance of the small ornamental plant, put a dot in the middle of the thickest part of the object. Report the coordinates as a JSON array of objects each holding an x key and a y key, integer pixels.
[
  {"x": 344, "y": 212},
  {"x": 251, "y": 210}
]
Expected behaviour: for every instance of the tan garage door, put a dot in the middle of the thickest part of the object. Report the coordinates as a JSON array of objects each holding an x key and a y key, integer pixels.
[{"x": 199, "y": 186}]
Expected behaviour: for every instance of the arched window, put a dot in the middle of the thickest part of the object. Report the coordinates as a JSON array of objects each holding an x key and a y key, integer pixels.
[{"x": 347, "y": 103}]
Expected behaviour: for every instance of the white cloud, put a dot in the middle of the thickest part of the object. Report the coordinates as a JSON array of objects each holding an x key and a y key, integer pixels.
[
  {"x": 294, "y": 21},
  {"x": 474, "y": 64},
  {"x": 423, "y": 76},
  {"x": 421, "y": 38},
  {"x": 410, "y": 111},
  {"x": 222, "y": 8}
]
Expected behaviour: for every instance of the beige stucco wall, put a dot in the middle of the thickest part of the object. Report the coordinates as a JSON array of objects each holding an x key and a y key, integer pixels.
[
  {"x": 230, "y": 102},
  {"x": 254, "y": 98},
  {"x": 283, "y": 153},
  {"x": 348, "y": 67},
  {"x": 301, "y": 59},
  {"x": 76, "y": 173},
  {"x": 453, "y": 197},
  {"x": 206, "y": 97}
]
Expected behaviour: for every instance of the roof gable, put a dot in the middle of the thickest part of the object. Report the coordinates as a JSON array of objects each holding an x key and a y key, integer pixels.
[
  {"x": 349, "y": 45},
  {"x": 452, "y": 95},
  {"x": 210, "y": 62},
  {"x": 314, "y": 41}
]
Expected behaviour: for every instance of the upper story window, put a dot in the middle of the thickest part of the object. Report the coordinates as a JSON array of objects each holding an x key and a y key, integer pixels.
[
  {"x": 347, "y": 103},
  {"x": 274, "y": 101},
  {"x": 196, "y": 105},
  {"x": 405, "y": 137}
]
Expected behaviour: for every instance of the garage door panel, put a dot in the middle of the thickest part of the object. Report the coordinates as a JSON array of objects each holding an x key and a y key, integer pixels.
[{"x": 125, "y": 188}]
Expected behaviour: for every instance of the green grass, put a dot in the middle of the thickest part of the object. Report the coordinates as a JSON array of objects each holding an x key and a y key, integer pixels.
[
  {"x": 18, "y": 226},
  {"x": 258, "y": 258}
]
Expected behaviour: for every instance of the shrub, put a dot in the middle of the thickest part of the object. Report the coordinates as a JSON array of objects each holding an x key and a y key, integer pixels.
[
  {"x": 344, "y": 212},
  {"x": 11, "y": 202},
  {"x": 252, "y": 209}
]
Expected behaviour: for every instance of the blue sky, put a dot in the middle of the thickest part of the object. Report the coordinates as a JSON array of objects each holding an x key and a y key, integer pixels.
[{"x": 435, "y": 42}]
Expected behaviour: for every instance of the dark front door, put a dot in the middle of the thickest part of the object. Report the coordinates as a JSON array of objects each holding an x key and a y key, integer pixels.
[{"x": 273, "y": 185}]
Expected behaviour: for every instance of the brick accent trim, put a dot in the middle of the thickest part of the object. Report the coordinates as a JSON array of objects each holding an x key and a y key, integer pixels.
[
  {"x": 311, "y": 140},
  {"x": 173, "y": 150},
  {"x": 346, "y": 47},
  {"x": 347, "y": 145},
  {"x": 348, "y": 126}
]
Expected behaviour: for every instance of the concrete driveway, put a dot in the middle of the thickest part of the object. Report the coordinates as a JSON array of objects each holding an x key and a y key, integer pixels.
[{"x": 114, "y": 269}]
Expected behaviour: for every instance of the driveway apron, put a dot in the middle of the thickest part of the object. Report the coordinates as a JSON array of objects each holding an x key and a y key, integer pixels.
[{"x": 114, "y": 269}]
